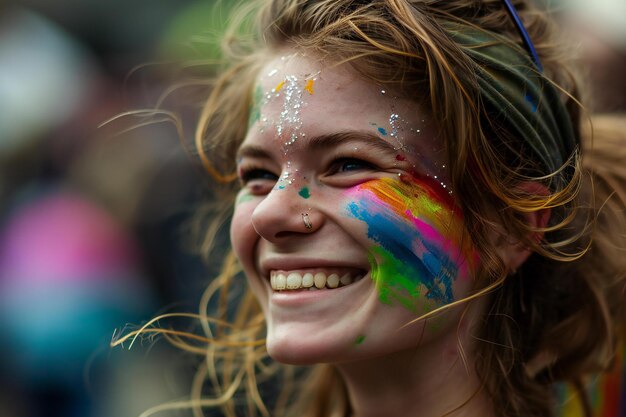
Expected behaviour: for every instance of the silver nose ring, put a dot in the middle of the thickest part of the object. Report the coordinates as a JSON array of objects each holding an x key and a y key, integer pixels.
[{"x": 307, "y": 221}]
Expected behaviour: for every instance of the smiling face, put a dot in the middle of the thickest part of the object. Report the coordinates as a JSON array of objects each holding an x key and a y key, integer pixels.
[{"x": 345, "y": 225}]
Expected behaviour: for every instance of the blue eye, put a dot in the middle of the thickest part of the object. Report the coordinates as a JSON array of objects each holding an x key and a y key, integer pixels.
[
  {"x": 257, "y": 174},
  {"x": 352, "y": 164},
  {"x": 350, "y": 171}
]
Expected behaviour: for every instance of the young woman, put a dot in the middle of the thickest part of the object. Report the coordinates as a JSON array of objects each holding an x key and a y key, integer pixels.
[{"x": 412, "y": 216}]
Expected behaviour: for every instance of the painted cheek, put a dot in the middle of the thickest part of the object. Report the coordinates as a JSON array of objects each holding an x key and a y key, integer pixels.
[{"x": 419, "y": 246}]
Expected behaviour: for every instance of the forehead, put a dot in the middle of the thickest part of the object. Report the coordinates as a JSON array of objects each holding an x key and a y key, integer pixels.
[
  {"x": 327, "y": 78},
  {"x": 325, "y": 88},
  {"x": 299, "y": 97}
]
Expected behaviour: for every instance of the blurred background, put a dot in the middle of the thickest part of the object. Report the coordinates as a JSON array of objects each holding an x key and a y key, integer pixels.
[{"x": 96, "y": 222}]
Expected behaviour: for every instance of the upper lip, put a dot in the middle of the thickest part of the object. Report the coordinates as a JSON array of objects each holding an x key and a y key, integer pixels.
[{"x": 294, "y": 262}]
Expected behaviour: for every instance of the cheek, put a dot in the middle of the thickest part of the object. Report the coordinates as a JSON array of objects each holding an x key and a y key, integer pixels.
[
  {"x": 419, "y": 247},
  {"x": 242, "y": 234},
  {"x": 244, "y": 240}
]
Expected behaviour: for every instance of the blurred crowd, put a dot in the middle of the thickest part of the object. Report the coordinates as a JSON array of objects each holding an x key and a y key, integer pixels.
[{"x": 96, "y": 221}]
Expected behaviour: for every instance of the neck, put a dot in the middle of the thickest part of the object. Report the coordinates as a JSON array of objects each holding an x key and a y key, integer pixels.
[{"x": 431, "y": 380}]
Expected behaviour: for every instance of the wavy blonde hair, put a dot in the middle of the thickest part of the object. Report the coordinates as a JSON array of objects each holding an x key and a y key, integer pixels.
[{"x": 555, "y": 319}]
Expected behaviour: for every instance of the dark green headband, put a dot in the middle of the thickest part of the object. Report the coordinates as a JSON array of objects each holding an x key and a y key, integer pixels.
[{"x": 514, "y": 91}]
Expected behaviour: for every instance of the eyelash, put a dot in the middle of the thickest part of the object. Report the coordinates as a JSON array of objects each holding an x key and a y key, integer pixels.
[
  {"x": 255, "y": 173},
  {"x": 341, "y": 165}
]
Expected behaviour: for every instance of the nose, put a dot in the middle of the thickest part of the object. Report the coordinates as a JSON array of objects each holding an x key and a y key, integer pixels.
[{"x": 284, "y": 213}]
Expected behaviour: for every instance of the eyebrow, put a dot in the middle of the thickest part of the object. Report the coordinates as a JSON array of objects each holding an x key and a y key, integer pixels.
[{"x": 326, "y": 141}]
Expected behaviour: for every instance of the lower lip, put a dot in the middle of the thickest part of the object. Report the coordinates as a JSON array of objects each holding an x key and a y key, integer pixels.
[{"x": 294, "y": 298}]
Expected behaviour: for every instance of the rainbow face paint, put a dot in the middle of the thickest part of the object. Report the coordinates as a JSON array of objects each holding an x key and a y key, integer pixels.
[{"x": 420, "y": 246}]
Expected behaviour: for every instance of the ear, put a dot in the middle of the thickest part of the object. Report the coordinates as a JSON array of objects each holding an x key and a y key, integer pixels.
[{"x": 513, "y": 252}]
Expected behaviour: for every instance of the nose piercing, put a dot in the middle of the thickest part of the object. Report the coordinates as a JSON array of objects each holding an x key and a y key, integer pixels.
[{"x": 307, "y": 221}]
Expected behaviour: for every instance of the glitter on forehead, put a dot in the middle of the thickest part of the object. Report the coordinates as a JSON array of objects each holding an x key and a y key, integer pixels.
[
  {"x": 290, "y": 91},
  {"x": 290, "y": 121},
  {"x": 290, "y": 116}
]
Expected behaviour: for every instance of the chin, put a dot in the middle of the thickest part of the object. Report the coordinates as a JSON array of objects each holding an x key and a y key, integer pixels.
[
  {"x": 292, "y": 354},
  {"x": 305, "y": 349}
]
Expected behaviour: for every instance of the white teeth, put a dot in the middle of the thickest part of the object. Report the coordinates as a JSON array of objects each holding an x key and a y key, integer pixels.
[
  {"x": 307, "y": 280},
  {"x": 320, "y": 280},
  {"x": 346, "y": 279},
  {"x": 294, "y": 281},
  {"x": 332, "y": 281},
  {"x": 281, "y": 282}
]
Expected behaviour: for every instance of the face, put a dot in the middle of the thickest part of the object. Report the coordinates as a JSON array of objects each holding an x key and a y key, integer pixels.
[{"x": 345, "y": 224}]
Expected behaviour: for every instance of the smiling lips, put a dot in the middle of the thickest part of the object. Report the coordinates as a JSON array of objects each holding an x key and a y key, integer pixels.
[{"x": 313, "y": 279}]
